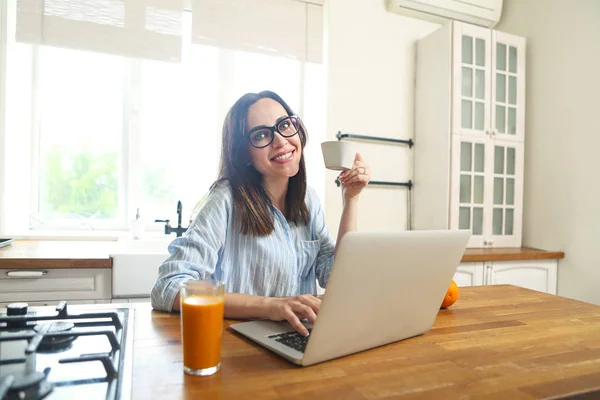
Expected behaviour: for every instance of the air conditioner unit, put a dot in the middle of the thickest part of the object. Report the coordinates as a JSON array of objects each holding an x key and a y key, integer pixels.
[{"x": 477, "y": 12}]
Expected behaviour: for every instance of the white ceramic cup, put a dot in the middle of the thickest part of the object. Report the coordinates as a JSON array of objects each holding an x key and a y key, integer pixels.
[{"x": 337, "y": 155}]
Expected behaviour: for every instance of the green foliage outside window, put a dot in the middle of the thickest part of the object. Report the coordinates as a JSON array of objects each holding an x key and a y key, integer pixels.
[{"x": 81, "y": 183}]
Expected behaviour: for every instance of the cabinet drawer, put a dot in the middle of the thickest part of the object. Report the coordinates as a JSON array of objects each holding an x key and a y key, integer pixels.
[
  {"x": 53, "y": 303},
  {"x": 39, "y": 285}
]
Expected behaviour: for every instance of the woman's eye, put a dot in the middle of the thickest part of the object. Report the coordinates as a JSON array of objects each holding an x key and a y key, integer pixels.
[
  {"x": 284, "y": 125},
  {"x": 258, "y": 136}
]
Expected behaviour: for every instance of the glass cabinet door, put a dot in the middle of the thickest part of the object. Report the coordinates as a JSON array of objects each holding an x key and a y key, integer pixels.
[
  {"x": 506, "y": 193},
  {"x": 471, "y": 66},
  {"x": 468, "y": 189},
  {"x": 508, "y": 86}
]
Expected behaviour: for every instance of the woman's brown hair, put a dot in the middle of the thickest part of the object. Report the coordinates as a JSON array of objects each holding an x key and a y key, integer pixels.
[{"x": 250, "y": 199}]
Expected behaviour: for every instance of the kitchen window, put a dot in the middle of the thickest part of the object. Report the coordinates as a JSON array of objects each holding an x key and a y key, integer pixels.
[{"x": 91, "y": 137}]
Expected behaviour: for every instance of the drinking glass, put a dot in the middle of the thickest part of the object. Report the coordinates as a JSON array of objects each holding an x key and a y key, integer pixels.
[{"x": 202, "y": 310}]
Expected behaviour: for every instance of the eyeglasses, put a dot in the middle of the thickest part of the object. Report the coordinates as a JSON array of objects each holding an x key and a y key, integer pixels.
[{"x": 262, "y": 136}]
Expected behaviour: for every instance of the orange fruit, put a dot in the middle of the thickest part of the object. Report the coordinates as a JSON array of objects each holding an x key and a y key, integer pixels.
[{"x": 451, "y": 295}]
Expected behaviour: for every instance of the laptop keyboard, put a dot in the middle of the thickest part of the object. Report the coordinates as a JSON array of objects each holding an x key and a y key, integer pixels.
[{"x": 292, "y": 339}]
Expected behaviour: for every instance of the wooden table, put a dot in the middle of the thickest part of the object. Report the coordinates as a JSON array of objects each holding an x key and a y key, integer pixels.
[{"x": 496, "y": 342}]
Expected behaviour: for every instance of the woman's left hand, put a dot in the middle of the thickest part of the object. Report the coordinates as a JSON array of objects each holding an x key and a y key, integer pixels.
[{"x": 354, "y": 180}]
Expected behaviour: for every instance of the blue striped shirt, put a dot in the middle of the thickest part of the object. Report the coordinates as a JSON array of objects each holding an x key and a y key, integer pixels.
[{"x": 285, "y": 263}]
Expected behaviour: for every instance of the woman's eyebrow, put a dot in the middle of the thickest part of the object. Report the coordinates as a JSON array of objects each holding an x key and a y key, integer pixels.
[{"x": 278, "y": 120}]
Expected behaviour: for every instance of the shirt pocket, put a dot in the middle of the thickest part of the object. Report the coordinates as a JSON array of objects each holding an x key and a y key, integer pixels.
[{"x": 309, "y": 250}]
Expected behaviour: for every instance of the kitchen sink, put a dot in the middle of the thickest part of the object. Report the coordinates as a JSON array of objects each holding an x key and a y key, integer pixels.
[
  {"x": 152, "y": 245},
  {"x": 135, "y": 265}
]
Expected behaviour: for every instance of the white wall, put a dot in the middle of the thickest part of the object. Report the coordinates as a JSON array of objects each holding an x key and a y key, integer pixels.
[
  {"x": 2, "y": 100},
  {"x": 370, "y": 60},
  {"x": 562, "y": 189}
]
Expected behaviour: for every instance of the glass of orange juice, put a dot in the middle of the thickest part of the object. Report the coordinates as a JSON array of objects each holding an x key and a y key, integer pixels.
[{"x": 202, "y": 309}]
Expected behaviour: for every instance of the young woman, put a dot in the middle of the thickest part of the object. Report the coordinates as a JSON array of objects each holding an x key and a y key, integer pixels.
[{"x": 261, "y": 230}]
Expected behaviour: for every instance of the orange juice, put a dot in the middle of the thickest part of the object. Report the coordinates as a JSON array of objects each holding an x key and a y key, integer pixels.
[{"x": 202, "y": 330}]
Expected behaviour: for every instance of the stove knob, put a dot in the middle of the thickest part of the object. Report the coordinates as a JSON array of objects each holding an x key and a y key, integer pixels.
[{"x": 17, "y": 309}]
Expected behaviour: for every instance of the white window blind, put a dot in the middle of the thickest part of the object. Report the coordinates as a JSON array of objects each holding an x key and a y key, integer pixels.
[
  {"x": 290, "y": 28},
  {"x": 148, "y": 29}
]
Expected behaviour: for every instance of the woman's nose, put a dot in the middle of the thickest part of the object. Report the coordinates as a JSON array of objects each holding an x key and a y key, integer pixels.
[{"x": 279, "y": 140}]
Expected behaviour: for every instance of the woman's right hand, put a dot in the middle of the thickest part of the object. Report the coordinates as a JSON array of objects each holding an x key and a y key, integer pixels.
[{"x": 293, "y": 309}]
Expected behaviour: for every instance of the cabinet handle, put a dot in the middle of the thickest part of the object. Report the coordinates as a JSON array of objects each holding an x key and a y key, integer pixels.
[{"x": 26, "y": 274}]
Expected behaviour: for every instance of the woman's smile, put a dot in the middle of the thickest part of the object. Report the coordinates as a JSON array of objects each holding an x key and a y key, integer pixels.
[{"x": 283, "y": 157}]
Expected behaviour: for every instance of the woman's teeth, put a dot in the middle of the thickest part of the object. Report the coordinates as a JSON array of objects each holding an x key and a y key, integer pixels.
[{"x": 283, "y": 156}]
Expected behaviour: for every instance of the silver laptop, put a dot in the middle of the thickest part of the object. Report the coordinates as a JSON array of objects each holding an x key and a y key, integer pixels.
[{"x": 383, "y": 287}]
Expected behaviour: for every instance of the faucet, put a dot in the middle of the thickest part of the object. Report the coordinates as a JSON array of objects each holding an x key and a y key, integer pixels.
[{"x": 168, "y": 228}]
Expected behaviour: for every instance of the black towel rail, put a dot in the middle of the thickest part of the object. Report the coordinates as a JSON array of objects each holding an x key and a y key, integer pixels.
[
  {"x": 408, "y": 184},
  {"x": 341, "y": 136}
]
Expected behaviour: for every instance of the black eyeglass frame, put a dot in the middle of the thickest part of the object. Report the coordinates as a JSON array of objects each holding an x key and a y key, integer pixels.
[{"x": 273, "y": 129}]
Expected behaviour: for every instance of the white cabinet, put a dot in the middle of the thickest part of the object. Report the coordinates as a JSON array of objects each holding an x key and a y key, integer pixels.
[
  {"x": 488, "y": 190},
  {"x": 469, "y": 134},
  {"x": 131, "y": 300},
  {"x": 469, "y": 274},
  {"x": 488, "y": 77},
  {"x": 540, "y": 275},
  {"x": 48, "y": 286}
]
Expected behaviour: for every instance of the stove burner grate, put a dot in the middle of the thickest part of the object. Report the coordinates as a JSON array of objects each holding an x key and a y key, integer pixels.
[
  {"x": 25, "y": 386},
  {"x": 52, "y": 344}
]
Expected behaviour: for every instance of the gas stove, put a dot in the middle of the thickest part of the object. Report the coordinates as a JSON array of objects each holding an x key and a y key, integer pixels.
[{"x": 49, "y": 353}]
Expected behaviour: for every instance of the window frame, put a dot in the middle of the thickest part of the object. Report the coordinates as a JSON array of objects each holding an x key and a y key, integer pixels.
[{"x": 130, "y": 168}]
